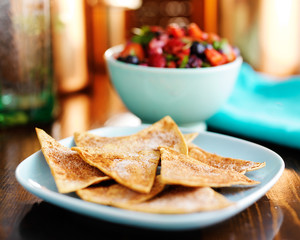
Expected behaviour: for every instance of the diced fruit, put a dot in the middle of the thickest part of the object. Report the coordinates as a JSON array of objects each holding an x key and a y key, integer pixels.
[
  {"x": 175, "y": 31},
  {"x": 177, "y": 47},
  {"x": 214, "y": 57},
  {"x": 171, "y": 64},
  {"x": 194, "y": 62},
  {"x": 197, "y": 49},
  {"x": 131, "y": 59},
  {"x": 155, "y": 46},
  {"x": 174, "y": 46},
  {"x": 157, "y": 60},
  {"x": 195, "y": 32},
  {"x": 186, "y": 50},
  {"x": 133, "y": 49}
]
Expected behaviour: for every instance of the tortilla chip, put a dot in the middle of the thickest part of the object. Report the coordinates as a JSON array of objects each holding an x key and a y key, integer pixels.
[
  {"x": 70, "y": 172},
  {"x": 241, "y": 166},
  {"x": 189, "y": 137},
  {"x": 134, "y": 170},
  {"x": 165, "y": 132},
  {"x": 179, "y": 199},
  {"x": 86, "y": 139},
  {"x": 180, "y": 169},
  {"x": 115, "y": 194},
  {"x": 139, "y": 151}
]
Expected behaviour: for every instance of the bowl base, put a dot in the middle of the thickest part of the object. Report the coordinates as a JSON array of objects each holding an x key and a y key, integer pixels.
[
  {"x": 123, "y": 120},
  {"x": 130, "y": 120},
  {"x": 194, "y": 127}
]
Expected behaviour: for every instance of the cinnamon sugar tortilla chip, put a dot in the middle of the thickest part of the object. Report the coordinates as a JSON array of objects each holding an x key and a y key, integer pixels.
[
  {"x": 115, "y": 194},
  {"x": 189, "y": 137},
  {"x": 180, "y": 169},
  {"x": 86, "y": 139},
  {"x": 179, "y": 200},
  {"x": 165, "y": 132},
  {"x": 135, "y": 170},
  {"x": 70, "y": 172},
  {"x": 241, "y": 166},
  {"x": 131, "y": 160}
]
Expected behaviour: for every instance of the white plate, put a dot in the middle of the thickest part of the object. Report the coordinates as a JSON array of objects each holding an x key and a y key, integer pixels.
[{"x": 35, "y": 176}]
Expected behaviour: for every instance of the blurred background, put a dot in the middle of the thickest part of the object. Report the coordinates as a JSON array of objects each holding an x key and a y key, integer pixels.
[{"x": 267, "y": 33}]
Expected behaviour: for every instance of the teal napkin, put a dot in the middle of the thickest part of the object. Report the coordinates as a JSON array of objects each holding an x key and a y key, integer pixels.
[{"x": 262, "y": 107}]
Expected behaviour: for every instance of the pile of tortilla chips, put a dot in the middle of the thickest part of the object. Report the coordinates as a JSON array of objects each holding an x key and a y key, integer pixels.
[{"x": 157, "y": 170}]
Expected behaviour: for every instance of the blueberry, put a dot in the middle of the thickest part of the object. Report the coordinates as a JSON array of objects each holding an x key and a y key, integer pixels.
[
  {"x": 197, "y": 49},
  {"x": 121, "y": 59},
  {"x": 131, "y": 59}
]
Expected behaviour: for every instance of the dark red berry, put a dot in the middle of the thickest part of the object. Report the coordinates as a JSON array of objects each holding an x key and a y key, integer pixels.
[{"x": 157, "y": 60}]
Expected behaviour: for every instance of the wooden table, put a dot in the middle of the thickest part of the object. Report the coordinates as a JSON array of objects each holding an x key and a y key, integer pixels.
[{"x": 24, "y": 216}]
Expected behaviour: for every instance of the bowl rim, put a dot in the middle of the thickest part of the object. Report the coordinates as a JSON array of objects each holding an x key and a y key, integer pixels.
[{"x": 109, "y": 56}]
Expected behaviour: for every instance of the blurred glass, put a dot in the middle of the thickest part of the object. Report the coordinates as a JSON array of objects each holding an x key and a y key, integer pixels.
[
  {"x": 266, "y": 31},
  {"x": 26, "y": 88},
  {"x": 69, "y": 45},
  {"x": 105, "y": 27}
]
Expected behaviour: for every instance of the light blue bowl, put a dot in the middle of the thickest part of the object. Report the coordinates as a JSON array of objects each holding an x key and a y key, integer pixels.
[{"x": 187, "y": 95}]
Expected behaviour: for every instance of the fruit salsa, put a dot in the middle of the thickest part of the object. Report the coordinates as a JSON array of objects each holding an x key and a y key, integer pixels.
[{"x": 177, "y": 47}]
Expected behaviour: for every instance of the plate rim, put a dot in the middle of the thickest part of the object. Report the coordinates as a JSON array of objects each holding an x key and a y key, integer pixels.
[{"x": 187, "y": 221}]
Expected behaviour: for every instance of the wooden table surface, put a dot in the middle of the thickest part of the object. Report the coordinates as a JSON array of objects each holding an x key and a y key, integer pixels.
[{"x": 24, "y": 216}]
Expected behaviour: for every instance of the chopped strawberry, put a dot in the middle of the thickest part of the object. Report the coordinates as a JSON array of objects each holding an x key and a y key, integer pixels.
[
  {"x": 195, "y": 32},
  {"x": 175, "y": 31},
  {"x": 157, "y": 60},
  {"x": 133, "y": 49},
  {"x": 173, "y": 46},
  {"x": 214, "y": 57},
  {"x": 171, "y": 64},
  {"x": 186, "y": 51},
  {"x": 156, "y": 46}
]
